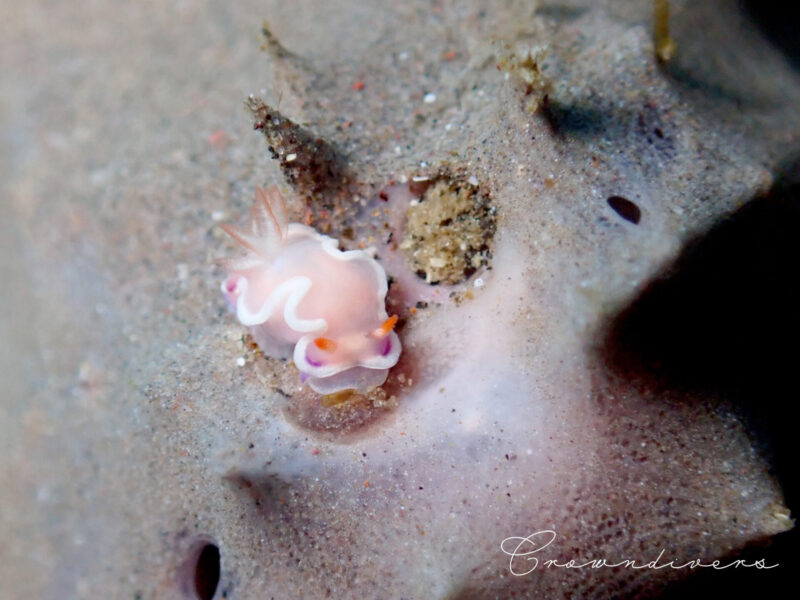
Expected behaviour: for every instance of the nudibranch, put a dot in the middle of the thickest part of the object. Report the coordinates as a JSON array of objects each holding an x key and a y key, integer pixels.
[{"x": 304, "y": 298}]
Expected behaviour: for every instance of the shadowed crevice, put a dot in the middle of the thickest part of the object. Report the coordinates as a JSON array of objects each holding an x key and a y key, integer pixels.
[
  {"x": 779, "y": 22},
  {"x": 725, "y": 320},
  {"x": 725, "y": 316}
]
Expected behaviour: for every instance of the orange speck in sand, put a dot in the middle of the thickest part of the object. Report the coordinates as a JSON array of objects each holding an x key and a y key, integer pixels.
[
  {"x": 218, "y": 139},
  {"x": 359, "y": 85}
]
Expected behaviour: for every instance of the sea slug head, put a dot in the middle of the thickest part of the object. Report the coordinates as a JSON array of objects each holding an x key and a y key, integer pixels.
[{"x": 354, "y": 360}]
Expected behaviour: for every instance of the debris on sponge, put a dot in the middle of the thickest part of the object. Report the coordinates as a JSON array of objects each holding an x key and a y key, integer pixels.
[
  {"x": 664, "y": 45},
  {"x": 526, "y": 71},
  {"x": 311, "y": 165},
  {"x": 449, "y": 232}
]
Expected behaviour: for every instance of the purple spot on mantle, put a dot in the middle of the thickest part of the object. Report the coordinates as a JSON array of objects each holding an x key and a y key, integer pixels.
[
  {"x": 312, "y": 362},
  {"x": 387, "y": 347}
]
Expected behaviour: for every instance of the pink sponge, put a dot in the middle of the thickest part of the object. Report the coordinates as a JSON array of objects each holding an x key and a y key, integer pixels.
[{"x": 294, "y": 286}]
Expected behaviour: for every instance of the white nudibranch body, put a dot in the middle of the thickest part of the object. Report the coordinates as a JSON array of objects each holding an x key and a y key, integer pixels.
[{"x": 304, "y": 298}]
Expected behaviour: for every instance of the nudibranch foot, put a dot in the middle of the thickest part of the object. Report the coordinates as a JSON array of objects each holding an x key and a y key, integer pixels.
[
  {"x": 360, "y": 379},
  {"x": 303, "y": 297}
]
